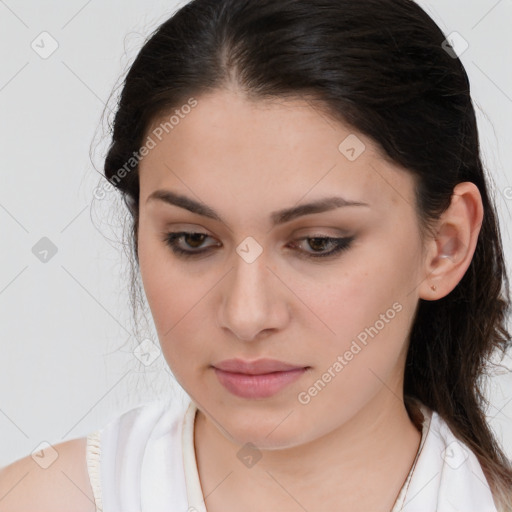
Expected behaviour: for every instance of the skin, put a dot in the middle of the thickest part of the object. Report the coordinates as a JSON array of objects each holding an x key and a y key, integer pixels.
[{"x": 246, "y": 159}]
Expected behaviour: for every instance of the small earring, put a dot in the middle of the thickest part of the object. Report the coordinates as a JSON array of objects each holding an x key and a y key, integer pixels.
[{"x": 433, "y": 287}]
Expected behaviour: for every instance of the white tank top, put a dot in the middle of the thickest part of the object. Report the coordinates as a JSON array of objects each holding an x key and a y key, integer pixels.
[{"x": 144, "y": 461}]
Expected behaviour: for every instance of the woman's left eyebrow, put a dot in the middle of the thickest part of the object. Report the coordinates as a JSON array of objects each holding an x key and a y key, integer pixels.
[{"x": 278, "y": 217}]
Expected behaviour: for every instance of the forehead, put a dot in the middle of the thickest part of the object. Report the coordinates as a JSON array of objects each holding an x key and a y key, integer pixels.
[{"x": 228, "y": 144}]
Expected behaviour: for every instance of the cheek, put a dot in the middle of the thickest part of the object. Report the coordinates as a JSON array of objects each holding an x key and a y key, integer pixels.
[
  {"x": 350, "y": 298},
  {"x": 169, "y": 291},
  {"x": 176, "y": 312},
  {"x": 366, "y": 312},
  {"x": 178, "y": 299},
  {"x": 352, "y": 365}
]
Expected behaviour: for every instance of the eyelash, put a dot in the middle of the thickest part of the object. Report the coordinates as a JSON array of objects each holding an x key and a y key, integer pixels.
[{"x": 340, "y": 244}]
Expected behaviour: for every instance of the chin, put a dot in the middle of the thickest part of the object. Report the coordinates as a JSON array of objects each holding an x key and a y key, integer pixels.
[{"x": 262, "y": 430}]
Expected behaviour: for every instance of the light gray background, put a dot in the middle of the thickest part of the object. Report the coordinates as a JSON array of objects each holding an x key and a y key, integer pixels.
[{"x": 66, "y": 361}]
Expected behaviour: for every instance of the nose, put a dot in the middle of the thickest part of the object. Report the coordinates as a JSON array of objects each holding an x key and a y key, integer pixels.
[{"x": 254, "y": 300}]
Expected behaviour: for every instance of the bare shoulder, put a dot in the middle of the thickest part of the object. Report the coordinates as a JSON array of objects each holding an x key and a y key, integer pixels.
[{"x": 57, "y": 480}]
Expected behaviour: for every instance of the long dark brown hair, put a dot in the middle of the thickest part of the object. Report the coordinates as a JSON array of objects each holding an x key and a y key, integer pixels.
[{"x": 381, "y": 67}]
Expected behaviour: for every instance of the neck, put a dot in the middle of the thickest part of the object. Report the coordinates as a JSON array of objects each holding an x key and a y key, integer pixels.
[{"x": 374, "y": 450}]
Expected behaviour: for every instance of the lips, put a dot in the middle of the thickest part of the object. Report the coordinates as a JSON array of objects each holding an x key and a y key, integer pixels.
[
  {"x": 256, "y": 380},
  {"x": 258, "y": 367}
]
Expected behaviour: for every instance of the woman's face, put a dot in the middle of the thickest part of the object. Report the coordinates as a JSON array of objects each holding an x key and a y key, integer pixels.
[{"x": 253, "y": 287}]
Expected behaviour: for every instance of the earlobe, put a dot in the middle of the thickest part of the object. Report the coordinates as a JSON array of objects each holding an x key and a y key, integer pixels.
[{"x": 451, "y": 251}]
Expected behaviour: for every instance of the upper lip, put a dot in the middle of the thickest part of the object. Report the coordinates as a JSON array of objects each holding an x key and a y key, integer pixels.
[{"x": 258, "y": 367}]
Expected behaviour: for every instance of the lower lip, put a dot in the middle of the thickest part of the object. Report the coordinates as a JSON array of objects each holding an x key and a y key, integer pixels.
[{"x": 257, "y": 386}]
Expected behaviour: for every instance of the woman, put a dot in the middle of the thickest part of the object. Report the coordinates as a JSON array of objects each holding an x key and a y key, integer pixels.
[{"x": 323, "y": 264}]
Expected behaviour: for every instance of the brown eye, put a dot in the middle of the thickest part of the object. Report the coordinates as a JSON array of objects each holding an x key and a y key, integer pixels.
[
  {"x": 192, "y": 241},
  {"x": 196, "y": 238},
  {"x": 319, "y": 244}
]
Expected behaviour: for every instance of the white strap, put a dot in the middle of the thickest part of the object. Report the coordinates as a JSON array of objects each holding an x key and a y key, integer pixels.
[{"x": 93, "y": 457}]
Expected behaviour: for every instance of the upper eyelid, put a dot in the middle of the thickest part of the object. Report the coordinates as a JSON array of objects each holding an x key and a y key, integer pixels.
[
  {"x": 182, "y": 233},
  {"x": 309, "y": 231}
]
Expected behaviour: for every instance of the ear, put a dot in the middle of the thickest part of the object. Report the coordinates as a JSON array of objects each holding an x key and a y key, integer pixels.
[{"x": 449, "y": 254}]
